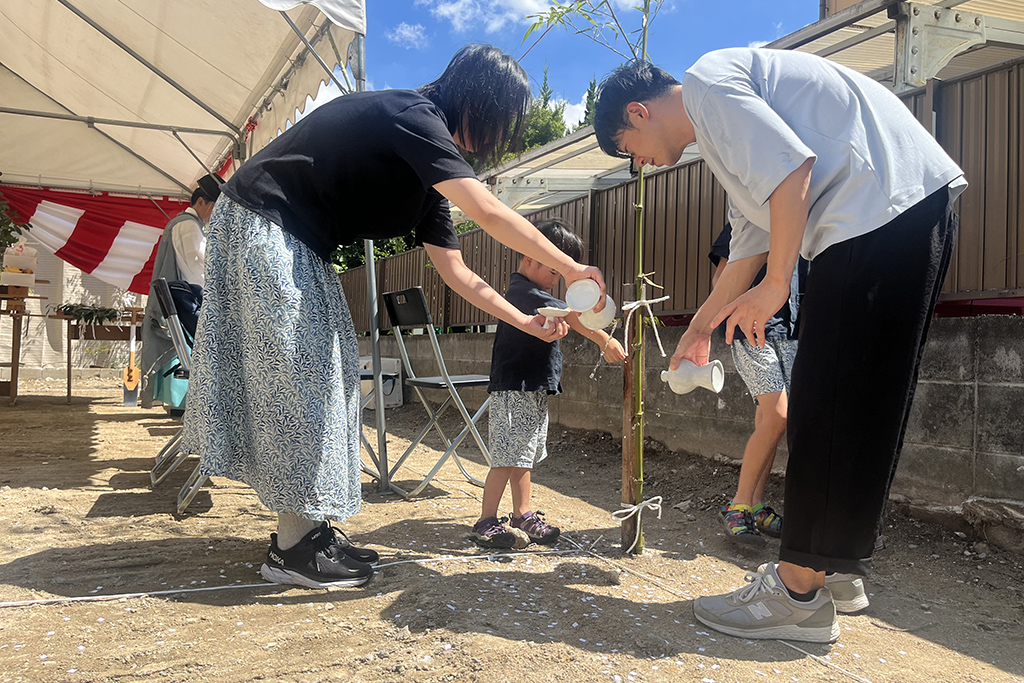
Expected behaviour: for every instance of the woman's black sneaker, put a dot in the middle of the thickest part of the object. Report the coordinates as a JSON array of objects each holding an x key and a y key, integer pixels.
[
  {"x": 315, "y": 562},
  {"x": 364, "y": 555}
]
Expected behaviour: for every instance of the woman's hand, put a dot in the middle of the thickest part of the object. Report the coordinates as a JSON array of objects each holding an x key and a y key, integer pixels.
[
  {"x": 751, "y": 310},
  {"x": 534, "y": 325},
  {"x": 693, "y": 346},
  {"x": 614, "y": 353},
  {"x": 581, "y": 272}
]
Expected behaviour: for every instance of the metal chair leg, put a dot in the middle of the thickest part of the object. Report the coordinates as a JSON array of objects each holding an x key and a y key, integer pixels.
[
  {"x": 170, "y": 453},
  {"x": 451, "y": 451},
  {"x": 191, "y": 488}
]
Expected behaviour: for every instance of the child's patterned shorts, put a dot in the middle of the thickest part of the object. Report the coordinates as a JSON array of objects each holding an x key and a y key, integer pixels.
[
  {"x": 518, "y": 428},
  {"x": 764, "y": 370}
]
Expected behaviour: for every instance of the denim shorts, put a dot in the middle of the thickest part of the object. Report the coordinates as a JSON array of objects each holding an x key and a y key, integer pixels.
[{"x": 764, "y": 370}]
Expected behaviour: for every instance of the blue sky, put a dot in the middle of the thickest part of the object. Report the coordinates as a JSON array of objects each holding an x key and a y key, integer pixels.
[{"x": 409, "y": 42}]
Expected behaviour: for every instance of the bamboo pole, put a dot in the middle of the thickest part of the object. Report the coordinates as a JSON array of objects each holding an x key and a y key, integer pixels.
[{"x": 633, "y": 379}]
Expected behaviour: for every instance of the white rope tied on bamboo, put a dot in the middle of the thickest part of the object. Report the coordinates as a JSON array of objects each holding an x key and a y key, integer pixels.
[
  {"x": 629, "y": 307},
  {"x": 628, "y": 511}
]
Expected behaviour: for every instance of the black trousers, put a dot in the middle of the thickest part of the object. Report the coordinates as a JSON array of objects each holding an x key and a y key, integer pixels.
[{"x": 863, "y": 324}]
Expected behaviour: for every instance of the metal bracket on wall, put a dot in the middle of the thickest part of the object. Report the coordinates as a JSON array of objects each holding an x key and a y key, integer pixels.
[{"x": 928, "y": 37}]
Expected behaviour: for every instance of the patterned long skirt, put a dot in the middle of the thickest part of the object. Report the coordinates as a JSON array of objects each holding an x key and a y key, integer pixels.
[{"x": 273, "y": 397}]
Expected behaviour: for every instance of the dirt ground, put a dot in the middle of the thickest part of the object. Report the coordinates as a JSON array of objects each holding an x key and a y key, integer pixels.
[{"x": 79, "y": 522}]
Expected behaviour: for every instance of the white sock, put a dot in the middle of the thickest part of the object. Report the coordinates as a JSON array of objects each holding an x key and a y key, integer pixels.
[{"x": 291, "y": 528}]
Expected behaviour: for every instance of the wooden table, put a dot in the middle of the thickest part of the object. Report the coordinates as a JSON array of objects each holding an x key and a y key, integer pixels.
[
  {"x": 78, "y": 332},
  {"x": 12, "y": 303}
]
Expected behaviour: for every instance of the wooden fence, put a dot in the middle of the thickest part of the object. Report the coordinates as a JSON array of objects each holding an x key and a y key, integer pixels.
[{"x": 979, "y": 120}]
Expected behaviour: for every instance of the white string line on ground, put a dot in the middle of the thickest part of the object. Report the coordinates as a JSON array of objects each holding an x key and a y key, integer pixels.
[
  {"x": 655, "y": 504},
  {"x": 425, "y": 560},
  {"x": 825, "y": 662},
  {"x": 675, "y": 592},
  {"x": 179, "y": 591}
]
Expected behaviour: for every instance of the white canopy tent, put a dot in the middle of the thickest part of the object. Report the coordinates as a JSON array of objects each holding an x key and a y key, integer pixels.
[
  {"x": 138, "y": 96},
  {"x": 142, "y": 98}
]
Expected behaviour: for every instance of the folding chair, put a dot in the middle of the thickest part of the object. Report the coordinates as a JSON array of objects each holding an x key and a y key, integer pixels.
[
  {"x": 408, "y": 309},
  {"x": 171, "y": 455}
]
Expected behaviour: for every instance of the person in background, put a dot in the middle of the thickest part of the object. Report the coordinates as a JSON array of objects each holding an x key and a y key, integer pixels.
[
  {"x": 766, "y": 371},
  {"x": 180, "y": 255},
  {"x": 274, "y": 389},
  {"x": 524, "y": 372},
  {"x": 821, "y": 161}
]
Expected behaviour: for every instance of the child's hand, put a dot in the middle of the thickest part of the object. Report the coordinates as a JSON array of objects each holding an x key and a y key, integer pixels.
[{"x": 614, "y": 353}]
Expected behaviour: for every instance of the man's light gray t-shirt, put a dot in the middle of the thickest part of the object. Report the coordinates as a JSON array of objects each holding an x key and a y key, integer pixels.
[{"x": 760, "y": 114}]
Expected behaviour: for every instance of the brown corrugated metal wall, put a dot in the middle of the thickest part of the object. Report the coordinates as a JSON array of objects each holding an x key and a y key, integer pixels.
[{"x": 979, "y": 121}]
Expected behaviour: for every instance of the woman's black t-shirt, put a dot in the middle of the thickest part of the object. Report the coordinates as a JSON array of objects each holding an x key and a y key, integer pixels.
[{"x": 362, "y": 166}]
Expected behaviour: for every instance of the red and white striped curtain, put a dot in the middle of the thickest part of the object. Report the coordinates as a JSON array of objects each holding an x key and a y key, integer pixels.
[{"x": 112, "y": 237}]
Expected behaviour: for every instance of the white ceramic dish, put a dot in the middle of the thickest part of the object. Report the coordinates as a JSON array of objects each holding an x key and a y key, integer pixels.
[{"x": 551, "y": 312}]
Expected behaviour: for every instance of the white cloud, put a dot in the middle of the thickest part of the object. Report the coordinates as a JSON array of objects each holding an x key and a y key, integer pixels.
[
  {"x": 493, "y": 15},
  {"x": 778, "y": 34},
  {"x": 574, "y": 113},
  {"x": 409, "y": 36}
]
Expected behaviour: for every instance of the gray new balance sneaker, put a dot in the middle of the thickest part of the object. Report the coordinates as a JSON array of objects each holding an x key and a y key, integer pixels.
[
  {"x": 764, "y": 609},
  {"x": 847, "y": 591}
]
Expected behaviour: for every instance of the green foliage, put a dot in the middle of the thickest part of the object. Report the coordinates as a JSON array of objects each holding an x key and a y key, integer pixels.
[
  {"x": 588, "y": 112},
  {"x": 596, "y": 20},
  {"x": 10, "y": 229},
  {"x": 351, "y": 256},
  {"x": 544, "y": 123},
  {"x": 89, "y": 314}
]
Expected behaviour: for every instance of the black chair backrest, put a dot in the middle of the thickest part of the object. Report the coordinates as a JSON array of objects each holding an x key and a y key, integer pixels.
[
  {"x": 181, "y": 299},
  {"x": 408, "y": 308},
  {"x": 163, "y": 297},
  {"x": 188, "y": 299}
]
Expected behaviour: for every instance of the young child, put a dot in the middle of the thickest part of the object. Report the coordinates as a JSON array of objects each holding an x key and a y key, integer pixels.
[{"x": 524, "y": 371}]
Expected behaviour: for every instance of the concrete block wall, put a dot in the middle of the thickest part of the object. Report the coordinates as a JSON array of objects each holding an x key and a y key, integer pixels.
[{"x": 963, "y": 455}]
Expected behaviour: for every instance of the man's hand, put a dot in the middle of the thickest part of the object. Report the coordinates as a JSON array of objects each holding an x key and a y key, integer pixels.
[
  {"x": 750, "y": 311},
  {"x": 693, "y": 346},
  {"x": 534, "y": 325},
  {"x": 614, "y": 353}
]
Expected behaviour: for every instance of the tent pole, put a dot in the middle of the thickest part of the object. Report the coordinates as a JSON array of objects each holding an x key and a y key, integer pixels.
[
  {"x": 316, "y": 55},
  {"x": 93, "y": 121},
  {"x": 149, "y": 65},
  {"x": 378, "y": 385},
  {"x": 194, "y": 155},
  {"x": 357, "y": 63}
]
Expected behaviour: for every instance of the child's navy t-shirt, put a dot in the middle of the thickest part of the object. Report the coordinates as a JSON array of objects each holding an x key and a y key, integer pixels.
[{"x": 520, "y": 361}]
